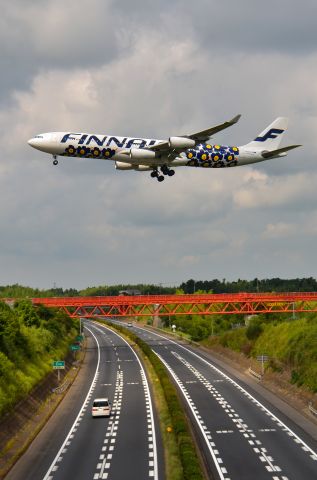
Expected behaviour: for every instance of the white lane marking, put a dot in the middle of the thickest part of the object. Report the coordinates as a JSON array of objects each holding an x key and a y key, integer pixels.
[
  {"x": 245, "y": 392},
  {"x": 70, "y": 434},
  {"x": 224, "y": 431},
  {"x": 212, "y": 451},
  {"x": 149, "y": 405},
  {"x": 239, "y": 423},
  {"x": 112, "y": 425}
]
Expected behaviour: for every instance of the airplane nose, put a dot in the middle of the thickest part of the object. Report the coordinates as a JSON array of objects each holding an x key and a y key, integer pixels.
[
  {"x": 39, "y": 141},
  {"x": 45, "y": 142}
]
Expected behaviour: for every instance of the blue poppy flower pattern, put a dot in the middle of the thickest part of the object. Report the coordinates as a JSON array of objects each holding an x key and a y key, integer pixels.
[
  {"x": 212, "y": 156},
  {"x": 83, "y": 151},
  {"x": 70, "y": 151},
  {"x": 108, "y": 152},
  {"x": 204, "y": 155}
]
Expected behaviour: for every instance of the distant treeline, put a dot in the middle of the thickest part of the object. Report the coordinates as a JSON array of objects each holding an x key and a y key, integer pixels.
[
  {"x": 191, "y": 286},
  {"x": 256, "y": 285}
]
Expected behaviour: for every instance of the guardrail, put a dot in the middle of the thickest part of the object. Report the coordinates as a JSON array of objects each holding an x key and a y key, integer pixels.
[
  {"x": 61, "y": 388},
  {"x": 312, "y": 409},
  {"x": 255, "y": 374}
]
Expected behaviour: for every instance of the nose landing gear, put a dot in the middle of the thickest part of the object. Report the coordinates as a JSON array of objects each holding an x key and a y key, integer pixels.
[
  {"x": 55, "y": 161},
  {"x": 165, "y": 170}
]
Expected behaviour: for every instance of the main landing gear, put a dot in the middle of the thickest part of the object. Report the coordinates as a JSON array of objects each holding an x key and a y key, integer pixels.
[
  {"x": 165, "y": 171},
  {"x": 55, "y": 161}
]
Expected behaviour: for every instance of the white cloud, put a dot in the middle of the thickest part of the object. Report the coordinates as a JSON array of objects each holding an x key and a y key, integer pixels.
[
  {"x": 267, "y": 192},
  {"x": 85, "y": 223},
  {"x": 279, "y": 230}
]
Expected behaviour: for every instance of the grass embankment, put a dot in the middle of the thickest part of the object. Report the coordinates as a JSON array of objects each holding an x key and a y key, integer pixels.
[
  {"x": 30, "y": 339},
  {"x": 182, "y": 462},
  {"x": 291, "y": 346}
]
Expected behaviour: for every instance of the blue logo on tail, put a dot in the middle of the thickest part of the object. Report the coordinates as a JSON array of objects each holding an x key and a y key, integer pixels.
[{"x": 273, "y": 133}]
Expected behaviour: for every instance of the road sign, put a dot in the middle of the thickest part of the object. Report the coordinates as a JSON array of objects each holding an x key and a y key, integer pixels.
[
  {"x": 262, "y": 358},
  {"x": 59, "y": 365},
  {"x": 79, "y": 338},
  {"x": 74, "y": 347}
]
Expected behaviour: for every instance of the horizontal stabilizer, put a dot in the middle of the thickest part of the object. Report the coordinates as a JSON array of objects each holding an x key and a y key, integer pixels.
[{"x": 279, "y": 151}]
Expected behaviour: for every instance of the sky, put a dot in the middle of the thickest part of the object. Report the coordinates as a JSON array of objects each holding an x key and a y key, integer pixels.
[{"x": 156, "y": 69}]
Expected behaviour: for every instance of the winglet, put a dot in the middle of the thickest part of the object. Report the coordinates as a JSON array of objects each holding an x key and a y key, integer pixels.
[{"x": 235, "y": 119}]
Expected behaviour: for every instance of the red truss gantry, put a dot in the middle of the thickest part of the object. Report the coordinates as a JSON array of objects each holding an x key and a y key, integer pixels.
[{"x": 163, "y": 305}]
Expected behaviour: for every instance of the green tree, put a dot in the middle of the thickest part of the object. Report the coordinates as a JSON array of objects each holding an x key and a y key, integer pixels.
[{"x": 27, "y": 313}]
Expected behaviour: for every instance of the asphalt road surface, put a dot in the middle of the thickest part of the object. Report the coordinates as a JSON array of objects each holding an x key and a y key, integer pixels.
[
  {"x": 73, "y": 445},
  {"x": 241, "y": 435}
]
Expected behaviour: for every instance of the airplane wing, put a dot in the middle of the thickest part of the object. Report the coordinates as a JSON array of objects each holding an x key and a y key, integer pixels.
[{"x": 198, "y": 137}]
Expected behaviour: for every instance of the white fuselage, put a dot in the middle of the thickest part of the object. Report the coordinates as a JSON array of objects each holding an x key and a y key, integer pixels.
[{"x": 135, "y": 151}]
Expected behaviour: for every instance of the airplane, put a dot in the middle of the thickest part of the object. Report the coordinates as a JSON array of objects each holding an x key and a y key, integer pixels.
[{"x": 162, "y": 156}]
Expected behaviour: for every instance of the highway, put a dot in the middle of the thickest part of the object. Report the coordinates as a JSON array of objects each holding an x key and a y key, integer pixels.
[
  {"x": 241, "y": 435},
  {"x": 75, "y": 445}
]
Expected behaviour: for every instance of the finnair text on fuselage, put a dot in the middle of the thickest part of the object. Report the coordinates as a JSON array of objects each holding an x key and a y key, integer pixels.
[{"x": 107, "y": 140}]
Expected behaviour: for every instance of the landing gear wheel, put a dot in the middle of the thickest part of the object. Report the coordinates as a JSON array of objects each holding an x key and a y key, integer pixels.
[
  {"x": 160, "y": 178},
  {"x": 55, "y": 162},
  {"x": 170, "y": 173},
  {"x": 154, "y": 174}
]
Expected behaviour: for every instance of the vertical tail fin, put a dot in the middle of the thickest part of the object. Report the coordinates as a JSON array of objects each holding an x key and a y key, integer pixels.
[{"x": 271, "y": 137}]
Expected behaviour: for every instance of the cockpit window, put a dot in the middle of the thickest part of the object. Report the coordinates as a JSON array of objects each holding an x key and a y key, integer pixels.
[{"x": 38, "y": 136}]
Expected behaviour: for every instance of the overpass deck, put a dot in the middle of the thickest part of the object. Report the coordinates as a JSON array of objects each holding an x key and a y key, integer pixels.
[{"x": 164, "y": 305}]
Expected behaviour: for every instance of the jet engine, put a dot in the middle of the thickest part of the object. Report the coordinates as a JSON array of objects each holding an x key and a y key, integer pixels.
[
  {"x": 124, "y": 166},
  {"x": 181, "y": 142},
  {"x": 130, "y": 166},
  {"x": 139, "y": 153}
]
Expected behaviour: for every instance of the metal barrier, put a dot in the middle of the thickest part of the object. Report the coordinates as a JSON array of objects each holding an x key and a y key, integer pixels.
[
  {"x": 255, "y": 374},
  {"x": 312, "y": 409},
  {"x": 61, "y": 388}
]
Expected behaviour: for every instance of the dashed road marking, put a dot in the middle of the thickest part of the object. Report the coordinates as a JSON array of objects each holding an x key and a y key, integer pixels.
[
  {"x": 53, "y": 467},
  {"x": 273, "y": 417},
  {"x": 239, "y": 422}
]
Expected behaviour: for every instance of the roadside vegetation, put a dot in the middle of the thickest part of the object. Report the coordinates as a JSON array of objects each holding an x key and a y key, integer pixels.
[
  {"x": 290, "y": 343},
  {"x": 30, "y": 339}
]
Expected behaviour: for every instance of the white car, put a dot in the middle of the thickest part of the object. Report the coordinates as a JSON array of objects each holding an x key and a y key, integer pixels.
[
  {"x": 129, "y": 324},
  {"x": 101, "y": 408}
]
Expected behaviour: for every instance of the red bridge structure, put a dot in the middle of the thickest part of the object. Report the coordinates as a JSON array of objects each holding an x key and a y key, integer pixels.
[{"x": 164, "y": 305}]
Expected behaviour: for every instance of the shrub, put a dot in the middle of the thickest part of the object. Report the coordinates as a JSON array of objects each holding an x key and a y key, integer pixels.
[{"x": 254, "y": 330}]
